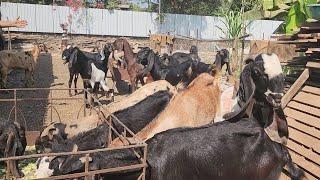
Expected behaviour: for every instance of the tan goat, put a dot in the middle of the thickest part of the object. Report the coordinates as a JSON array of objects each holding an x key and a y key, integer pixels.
[
  {"x": 195, "y": 106},
  {"x": 19, "y": 60}
]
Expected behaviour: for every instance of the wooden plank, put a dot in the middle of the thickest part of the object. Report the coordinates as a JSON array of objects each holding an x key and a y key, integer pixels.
[
  {"x": 315, "y": 50},
  {"x": 283, "y": 176},
  {"x": 304, "y": 108},
  {"x": 302, "y": 117},
  {"x": 311, "y": 28},
  {"x": 299, "y": 41},
  {"x": 304, "y": 139},
  {"x": 313, "y": 64},
  {"x": 307, "y": 165},
  {"x": 308, "y": 35},
  {"x": 307, "y": 153},
  {"x": 311, "y": 89},
  {"x": 295, "y": 87},
  {"x": 306, "y": 174},
  {"x": 302, "y": 127},
  {"x": 293, "y": 79},
  {"x": 308, "y": 98}
]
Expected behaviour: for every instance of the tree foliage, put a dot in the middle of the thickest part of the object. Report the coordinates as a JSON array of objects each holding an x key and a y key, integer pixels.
[
  {"x": 204, "y": 8},
  {"x": 294, "y": 12}
]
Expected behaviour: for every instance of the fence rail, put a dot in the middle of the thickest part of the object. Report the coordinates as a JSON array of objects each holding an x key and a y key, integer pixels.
[
  {"x": 89, "y": 21},
  {"x": 131, "y": 140}
]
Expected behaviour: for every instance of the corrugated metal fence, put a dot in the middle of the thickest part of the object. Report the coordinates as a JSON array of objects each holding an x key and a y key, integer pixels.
[{"x": 47, "y": 19}]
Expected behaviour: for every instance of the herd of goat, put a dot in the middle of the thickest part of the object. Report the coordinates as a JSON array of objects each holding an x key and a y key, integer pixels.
[{"x": 187, "y": 135}]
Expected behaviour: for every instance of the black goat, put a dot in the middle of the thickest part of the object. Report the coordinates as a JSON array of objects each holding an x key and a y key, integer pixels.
[
  {"x": 174, "y": 73},
  {"x": 180, "y": 68},
  {"x": 135, "y": 118},
  {"x": 226, "y": 150},
  {"x": 12, "y": 143},
  {"x": 222, "y": 58},
  {"x": 179, "y": 57}
]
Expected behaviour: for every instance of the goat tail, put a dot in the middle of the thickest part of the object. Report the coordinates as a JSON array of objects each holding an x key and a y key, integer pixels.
[{"x": 293, "y": 170}]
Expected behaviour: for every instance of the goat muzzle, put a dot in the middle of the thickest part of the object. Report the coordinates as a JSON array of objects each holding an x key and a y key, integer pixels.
[{"x": 274, "y": 99}]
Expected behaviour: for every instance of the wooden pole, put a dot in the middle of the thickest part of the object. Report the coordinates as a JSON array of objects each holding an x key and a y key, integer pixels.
[
  {"x": 295, "y": 88},
  {"x": 243, "y": 30},
  {"x": 159, "y": 12},
  {"x": 9, "y": 42}
]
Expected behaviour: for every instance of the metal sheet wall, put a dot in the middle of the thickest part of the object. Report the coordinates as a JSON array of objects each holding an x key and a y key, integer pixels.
[{"x": 47, "y": 19}]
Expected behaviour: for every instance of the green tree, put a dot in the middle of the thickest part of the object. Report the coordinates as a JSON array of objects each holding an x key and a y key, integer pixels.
[
  {"x": 294, "y": 12},
  {"x": 205, "y": 7}
]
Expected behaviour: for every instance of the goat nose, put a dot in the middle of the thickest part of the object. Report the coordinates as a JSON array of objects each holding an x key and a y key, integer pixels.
[{"x": 277, "y": 97}]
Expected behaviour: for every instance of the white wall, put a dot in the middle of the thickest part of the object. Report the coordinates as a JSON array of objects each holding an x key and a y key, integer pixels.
[{"x": 47, "y": 19}]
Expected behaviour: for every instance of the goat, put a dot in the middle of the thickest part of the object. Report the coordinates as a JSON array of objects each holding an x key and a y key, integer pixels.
[
  {"x": 19, "y": 60},
  {"x": 93, "y": 139},
  {"x": 222, "y": 58},
  {"x": 91, "y": 66},
  {"x": 180, "y": 57},
  {"x": 135, "y": 70},
  {"x": 241, "y": 148},
  {"x": 173, "y": 73},
  {"x": 12, "y": 143},
  {"x": 56, "y": 138},
  {"x": 195, "y": 106},
  {"x": 135, "y": 111}
]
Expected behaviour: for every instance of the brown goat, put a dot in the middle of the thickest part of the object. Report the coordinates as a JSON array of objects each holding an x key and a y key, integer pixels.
[
  {"x": 200, "y": 101},
  {"x": 19, "y": 60},
  {"x": 134, "y": 69}
]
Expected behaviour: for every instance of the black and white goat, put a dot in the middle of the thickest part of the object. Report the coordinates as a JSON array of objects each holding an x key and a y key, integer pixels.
[{"x": 92, "y": 67}]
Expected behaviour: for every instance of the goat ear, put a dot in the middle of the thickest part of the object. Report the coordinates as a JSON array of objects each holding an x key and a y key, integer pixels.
[
  {"x": 73, "y": 57},
  {"x": 278, "y": 129},
  {"x": 246, "y": 86},
  {"x": 249, "y": 60},
  {"x": 245, "y": 106}
]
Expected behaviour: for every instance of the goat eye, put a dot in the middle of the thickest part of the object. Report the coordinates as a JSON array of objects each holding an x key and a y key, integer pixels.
[{"x": 265, "y": 76}]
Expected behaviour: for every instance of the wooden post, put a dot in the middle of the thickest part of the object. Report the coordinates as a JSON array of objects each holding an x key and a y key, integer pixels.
[
  {"x": 86, "y": 167},
  {"x": 9, "y": 42},
  {"x": 234, "y": 54},
  {"x": 144, "y": 171},
  {"x": 295, "y": 88}
]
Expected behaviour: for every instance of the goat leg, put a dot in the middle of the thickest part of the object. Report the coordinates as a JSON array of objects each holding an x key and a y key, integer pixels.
[
  {"x": 70, "y": 83},
  {"x": 85, "y": 86},
  {"x": 133, "y": 81},
  {"x": 141, "y": 81},
  {"x": 28, "y": 78},
  {"x": 4, "y": 79},
  {"x": 75, "y": 83}
]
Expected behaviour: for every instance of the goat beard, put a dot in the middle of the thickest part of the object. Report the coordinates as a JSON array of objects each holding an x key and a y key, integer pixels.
[{"x": 273, "y": 103}]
